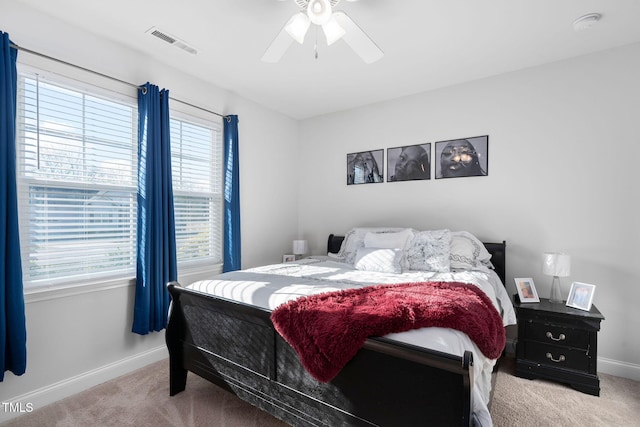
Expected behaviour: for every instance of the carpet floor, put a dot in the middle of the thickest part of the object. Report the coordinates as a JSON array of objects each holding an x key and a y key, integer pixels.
[{"x": 141, "y": 398}]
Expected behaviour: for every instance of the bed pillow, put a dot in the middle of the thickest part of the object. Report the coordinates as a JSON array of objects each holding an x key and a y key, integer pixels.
[
  {"x": 467, "y": 252},
  {"x": 354, "y": 240},
  {"x": 429, "y": 251},
  {"x": 392, "y": 240},
  {"x": 386, "y": 260}
]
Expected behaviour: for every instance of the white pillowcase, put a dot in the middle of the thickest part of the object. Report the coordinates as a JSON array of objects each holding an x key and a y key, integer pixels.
[
  {"x": 354, "y": 240},
  {"x": 397, "y": 240},
  {"x": 467, "y": 252},
  {"x": 385, "y": 260},
  {"x": 463, "y": 256}
]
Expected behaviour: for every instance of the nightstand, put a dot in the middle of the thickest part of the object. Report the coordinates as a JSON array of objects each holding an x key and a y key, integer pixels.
[{"x": 558, "y": 343}]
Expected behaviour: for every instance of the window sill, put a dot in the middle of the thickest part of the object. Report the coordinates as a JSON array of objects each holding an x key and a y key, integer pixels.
[{"x": 46, "y": 293}]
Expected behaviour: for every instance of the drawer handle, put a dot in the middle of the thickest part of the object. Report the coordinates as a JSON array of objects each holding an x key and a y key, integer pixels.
[
  {"x": 558, "y": 360},
  {"x": 561, "y": 337}
]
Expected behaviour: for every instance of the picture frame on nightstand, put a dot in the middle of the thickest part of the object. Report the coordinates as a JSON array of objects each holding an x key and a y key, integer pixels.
[
  {"x": 526, "y": 289},
  {"x": 581, "y": 296},
  {"x": 288, "y": 258}
]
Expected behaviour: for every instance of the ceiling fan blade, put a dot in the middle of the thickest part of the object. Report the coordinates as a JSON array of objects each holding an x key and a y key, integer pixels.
[
  {"x": 278, "y": 46},
  {"x": 357, "y": 39}
]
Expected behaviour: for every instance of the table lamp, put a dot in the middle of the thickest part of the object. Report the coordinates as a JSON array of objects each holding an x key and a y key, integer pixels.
[
  {"x": 557, "y": 265},
  {"x": 300, "y": 247}
]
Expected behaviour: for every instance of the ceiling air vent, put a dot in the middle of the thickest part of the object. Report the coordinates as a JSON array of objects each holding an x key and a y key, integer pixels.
[{"x": 163, "y": 35}]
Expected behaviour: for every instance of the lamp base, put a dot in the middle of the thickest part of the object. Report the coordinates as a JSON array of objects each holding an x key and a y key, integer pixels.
[{"x": 556, "y": 295}]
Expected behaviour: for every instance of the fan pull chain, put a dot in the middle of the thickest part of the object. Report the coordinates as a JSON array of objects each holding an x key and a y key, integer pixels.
[{"x": 315, "y": 44}]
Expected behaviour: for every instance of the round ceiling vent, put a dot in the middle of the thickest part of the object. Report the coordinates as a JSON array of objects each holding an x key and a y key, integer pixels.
[{"x": 587, "y": 21}]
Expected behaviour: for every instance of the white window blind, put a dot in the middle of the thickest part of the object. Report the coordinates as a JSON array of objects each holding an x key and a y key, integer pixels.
[
  {"x": 77, "y": 182},
  {"x": 196, "y": 163}
]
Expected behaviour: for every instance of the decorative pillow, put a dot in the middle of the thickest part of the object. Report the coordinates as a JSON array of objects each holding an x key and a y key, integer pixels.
[
  {"x": 467, "y": 252},
  {"x": 429, "y": 251},
  {"x": 379, "y": 260},
  {"x": 354, "y": 240},
  {"x": 397, "y": 240}
]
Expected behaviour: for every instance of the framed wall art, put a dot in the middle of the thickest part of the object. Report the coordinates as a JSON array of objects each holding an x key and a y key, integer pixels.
[
  {"x": 581, "y": 296},
  {"x": 462, "y": 157},
  {"x": 365, "y": 167},
  {"x": 408, "y": 163},
  {"x": 526, "y": 290}
]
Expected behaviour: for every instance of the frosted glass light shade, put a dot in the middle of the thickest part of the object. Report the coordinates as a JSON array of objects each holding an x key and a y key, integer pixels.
[
  {"x": 300, "y": 247},
  {"x": 333, "y": 31},
  {"x": 297, "y": 26},
  {"x": 556, "y": 264}
]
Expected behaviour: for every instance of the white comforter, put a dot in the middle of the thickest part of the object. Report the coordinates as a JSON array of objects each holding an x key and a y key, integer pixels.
[{"x": 272, "y": 285}]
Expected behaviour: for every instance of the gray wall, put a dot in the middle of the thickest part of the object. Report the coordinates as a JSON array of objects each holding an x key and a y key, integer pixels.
[{"x": 563, "y": 147}]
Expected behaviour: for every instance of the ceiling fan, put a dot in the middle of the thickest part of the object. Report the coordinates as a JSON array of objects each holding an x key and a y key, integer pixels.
[{"x": 335, "y": 25}]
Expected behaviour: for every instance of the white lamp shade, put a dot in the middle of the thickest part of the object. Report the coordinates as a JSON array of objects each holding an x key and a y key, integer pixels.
[
  {"x": 300, "y": 247},
  {"x": 556, "y": 264}
]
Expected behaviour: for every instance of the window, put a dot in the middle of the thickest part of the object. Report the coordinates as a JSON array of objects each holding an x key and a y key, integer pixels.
[
  {"x": 76, "y": 173},
  {"x": 196, "y": 169},
  {"x": 77, "y": 177}
]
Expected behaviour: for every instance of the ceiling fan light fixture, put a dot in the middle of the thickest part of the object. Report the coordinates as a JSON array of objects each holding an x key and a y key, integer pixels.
[
  {"x": 333, "y": 31},
  {"x": 319, "y": 11},
  {"x": 297, "y": 26},
  {"x": 336, "y": 26}
]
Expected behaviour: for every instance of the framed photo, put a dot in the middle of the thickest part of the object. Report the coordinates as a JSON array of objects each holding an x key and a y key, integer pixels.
[
  {"x": 288, "y": 258},
  {"x": 408, "y": 163},
  {"x": 462, "y": 157},
  {"x": 581, "y": 296},
  {"x": 365, "y": 167},
  {"x": 526, "y": 290}
]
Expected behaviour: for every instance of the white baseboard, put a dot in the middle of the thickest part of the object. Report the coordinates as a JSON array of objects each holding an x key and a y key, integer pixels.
[
  {"x": 619, "y": 369},
  {"x": 57, "y": 391}
]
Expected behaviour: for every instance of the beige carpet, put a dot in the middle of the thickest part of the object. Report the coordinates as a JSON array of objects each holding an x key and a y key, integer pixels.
[
  {"x": 142, "y": 399},
  {"x": 521, "y": 402}
]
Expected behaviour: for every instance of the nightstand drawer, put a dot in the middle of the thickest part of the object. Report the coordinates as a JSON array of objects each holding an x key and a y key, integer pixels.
[
  {"x": 561, "y": 357},
  {"x": 553, "y": 334}
]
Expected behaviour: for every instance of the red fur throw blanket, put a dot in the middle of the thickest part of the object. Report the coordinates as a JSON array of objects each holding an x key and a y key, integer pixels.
[{"x": 327, "y": 330}]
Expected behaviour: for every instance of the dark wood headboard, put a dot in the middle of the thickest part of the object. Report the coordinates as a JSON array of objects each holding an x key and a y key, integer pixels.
[{"x": 498, "y": 253}]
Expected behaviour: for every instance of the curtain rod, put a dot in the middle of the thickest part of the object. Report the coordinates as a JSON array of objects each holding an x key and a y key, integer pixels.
[{"x": 15, "y": 46}]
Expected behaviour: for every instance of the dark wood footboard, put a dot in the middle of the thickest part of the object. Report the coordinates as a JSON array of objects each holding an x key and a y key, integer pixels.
[{"x": 235, "y": 346}]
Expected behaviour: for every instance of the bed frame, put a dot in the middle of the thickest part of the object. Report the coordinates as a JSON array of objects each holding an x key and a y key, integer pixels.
[{"x": 235, "y": 346}]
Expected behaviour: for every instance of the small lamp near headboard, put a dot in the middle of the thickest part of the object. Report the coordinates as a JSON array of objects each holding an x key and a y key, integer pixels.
[
  {"x": 556, "y": 265},
  {"x": 300, "y": 247}
]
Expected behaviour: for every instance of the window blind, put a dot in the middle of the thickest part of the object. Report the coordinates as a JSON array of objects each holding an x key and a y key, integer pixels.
[
  {"x": 77, "y": 180},
  {"x": 196, "y": 168}
]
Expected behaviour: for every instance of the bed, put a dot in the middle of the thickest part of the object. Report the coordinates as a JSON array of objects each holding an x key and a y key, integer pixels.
[{"x": 222, "y": 330}]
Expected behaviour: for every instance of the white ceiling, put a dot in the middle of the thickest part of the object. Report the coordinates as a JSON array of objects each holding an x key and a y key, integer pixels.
[{"x": 427, "y": 43}]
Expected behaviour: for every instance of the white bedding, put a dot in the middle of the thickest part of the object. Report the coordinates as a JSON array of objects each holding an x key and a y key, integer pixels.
[{"x": 272, "y": 285}]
